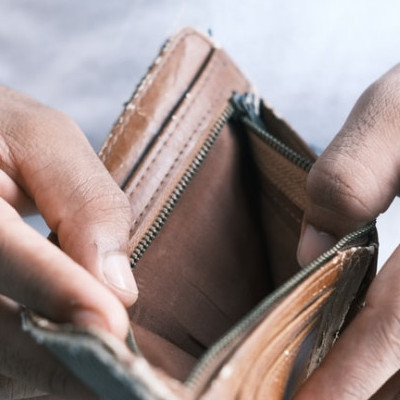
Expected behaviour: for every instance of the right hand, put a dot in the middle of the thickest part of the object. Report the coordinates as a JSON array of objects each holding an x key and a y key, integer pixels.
[
  {"x": 354, "y": 180},
  {"x": 47, "y": 164}
]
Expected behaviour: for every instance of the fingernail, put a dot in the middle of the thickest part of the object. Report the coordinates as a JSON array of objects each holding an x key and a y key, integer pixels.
[
  {"x": 118, "y": 274},
  {"x": 312, "y": 244}
]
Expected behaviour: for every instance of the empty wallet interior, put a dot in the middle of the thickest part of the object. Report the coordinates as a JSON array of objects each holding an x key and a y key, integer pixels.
[{"x": 227, "y": 243}]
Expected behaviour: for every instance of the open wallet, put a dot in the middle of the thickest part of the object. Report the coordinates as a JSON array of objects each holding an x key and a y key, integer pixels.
[{"x": 216, "y": 181}]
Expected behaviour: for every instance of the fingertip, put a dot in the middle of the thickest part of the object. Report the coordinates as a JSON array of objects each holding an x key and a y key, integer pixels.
[
  {"x": 117, "y": 275},
  {"x": 119, "y": 290},
  {"x": 313, "y": 243},
  {"x": 115, "y": 322}
]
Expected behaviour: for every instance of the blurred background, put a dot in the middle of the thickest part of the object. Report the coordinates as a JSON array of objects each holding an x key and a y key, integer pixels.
[{"x": 310, "y": 60}]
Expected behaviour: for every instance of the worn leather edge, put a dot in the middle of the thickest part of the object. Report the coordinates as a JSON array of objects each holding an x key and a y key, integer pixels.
[
  {"x": 236, "y": 365},
  {"x": 275, "y": 123},
  {"x": 347, "y": 289},
  {"x": 182, "y": 138},
  {"x": 154, "y": 100},
  {"x": 131, "y": 377},
  {"x": 102, "y": 362}
]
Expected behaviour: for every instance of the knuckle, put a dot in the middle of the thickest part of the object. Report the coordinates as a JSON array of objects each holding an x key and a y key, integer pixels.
[
  {"x": 103, "y": 196},
  {"x": 35, "y": 119},
  {"x": 357, "y": 389},
  {"x": 387, "y": 88},
  {"x": 24, "y": 117},
  {"x": 96, "y": 202},
  {"x": 380, "y": 103},
  {"x": 50, "y": 123},
  {"x": 28, "y": 128},
  {"x": 350, "y": 180},
  {"x": 387, "y": 331},
  {"x": 333, "y": 186}
]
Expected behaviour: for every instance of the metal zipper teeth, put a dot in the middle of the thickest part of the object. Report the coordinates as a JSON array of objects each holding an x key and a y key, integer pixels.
[
  {"x": 226, "y": 345},
  {"x": 187, "y": 176},
  {"x": 277, "y": 145},
  {"x": 169, "y": 205}
]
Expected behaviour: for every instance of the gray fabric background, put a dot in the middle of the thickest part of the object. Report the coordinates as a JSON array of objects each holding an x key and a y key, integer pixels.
[{"x": 310, "y": 59}]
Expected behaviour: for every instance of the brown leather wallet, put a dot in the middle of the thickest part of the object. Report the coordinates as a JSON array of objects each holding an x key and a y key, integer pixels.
[{"x": 217, "y": 186}]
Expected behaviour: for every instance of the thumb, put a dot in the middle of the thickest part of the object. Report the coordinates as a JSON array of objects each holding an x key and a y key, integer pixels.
[
  {"x": 357, "y": 176},
  {"x": 46, "y": 155}
]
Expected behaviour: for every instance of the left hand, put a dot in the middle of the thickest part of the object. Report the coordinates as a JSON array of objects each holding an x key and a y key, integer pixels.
[{"x": 46, "y": 162}]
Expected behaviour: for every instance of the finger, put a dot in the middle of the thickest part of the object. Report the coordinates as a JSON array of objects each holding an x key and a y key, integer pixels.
[
  {"x": 29, "y": 368},
  {"x": 39, "y": 275},
  {"x": 48, "y": 156},
  {"x": 357, "y": 177},
  {"x": 15, "y": 196},
  {"x": 368, "y": 352}
]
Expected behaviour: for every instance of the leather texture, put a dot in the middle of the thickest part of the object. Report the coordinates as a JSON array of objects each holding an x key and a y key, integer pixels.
[{"x": 224, "y": 311}]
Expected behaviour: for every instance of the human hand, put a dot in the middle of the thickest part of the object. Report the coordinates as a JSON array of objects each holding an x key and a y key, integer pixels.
[
  {"x": 46, "y": 162},
  {"x": 353, "y": 181}
]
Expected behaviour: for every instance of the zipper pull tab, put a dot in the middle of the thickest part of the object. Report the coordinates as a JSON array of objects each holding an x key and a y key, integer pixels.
[{"x": 247, "y": 106}]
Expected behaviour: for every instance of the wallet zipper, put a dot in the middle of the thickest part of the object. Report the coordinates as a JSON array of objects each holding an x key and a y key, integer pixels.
[
  {"x": 183, "y": 183},
  {"x": 225, "y": 346},
  {"x": 245, "y": 109}
]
